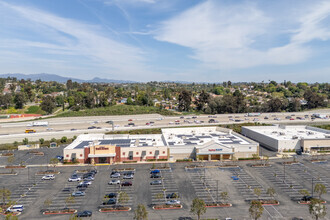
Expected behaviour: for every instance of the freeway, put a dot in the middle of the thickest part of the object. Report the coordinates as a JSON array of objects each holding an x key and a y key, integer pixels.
[{"x": 73, "y": 126}]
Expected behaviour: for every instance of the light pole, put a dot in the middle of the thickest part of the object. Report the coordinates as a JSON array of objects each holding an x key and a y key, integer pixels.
[
  {"x": 312, "y": 187},
  {"x": 217, "y": 191},
  {"x": 284, "y": 172}
]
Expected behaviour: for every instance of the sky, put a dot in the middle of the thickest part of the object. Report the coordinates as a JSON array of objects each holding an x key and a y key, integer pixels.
[{"x": 168, "y": 40}]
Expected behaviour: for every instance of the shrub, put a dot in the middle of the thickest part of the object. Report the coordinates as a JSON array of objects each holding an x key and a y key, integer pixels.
[{"x": 131, "y": 161}]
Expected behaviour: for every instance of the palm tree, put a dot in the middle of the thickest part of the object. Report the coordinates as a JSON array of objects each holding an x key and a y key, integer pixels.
[{"x": 141, "y": 213}]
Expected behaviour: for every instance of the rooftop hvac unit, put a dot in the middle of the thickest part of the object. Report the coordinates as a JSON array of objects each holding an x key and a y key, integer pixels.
[
  {"x": 294, "y": 137},
  {"x": 282, "y": 133}
]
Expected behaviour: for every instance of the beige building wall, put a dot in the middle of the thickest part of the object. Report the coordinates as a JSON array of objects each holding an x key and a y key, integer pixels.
[
  {"x": 308, "y": 143},
  {"x": 68, "y": 154},
  {"x": 103, "y": 149}
]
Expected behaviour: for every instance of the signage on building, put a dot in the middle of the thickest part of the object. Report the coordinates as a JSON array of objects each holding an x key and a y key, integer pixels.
[
  {"x": 219, "y": 149},
  {"x": 102, "y": 148}
]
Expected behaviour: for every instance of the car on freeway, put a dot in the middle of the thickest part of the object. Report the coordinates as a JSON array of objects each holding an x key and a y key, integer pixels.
[
  {"x": 159, "y": 119},
  {"x": 111, "y": 201},
  {"x": 147, "y": 123},
  {"x": 84, "y": 214},
  {"x": 177, "y": 121},
  {"x": 73, "y": 129},
  {"x": 78, "y": 193},
  {"x": 155, "y": 175},
  {"x": 277, "y": 119},
  {"x": 171, "y": 122},
  {"x": 131, "y": 124},
  {"x": 111, "y": 195},
  {"x": 15, "y": 208},
  {"x": 211, "y": 121},
  {"x": 156, "y": 182},
  {"x": 172, "y": 196},
  {"x": 74, "y": 179},
  {"x": 115, "y": 175},
  {"x": 288, "y": 117},
  {"x": 114, "y": 182},
  {"x": 291, "y": 119},
  {"x": 48, "y": 177},
  {"x": 127, "y": 183},
  {"x": 128, "y": 176},
  {"x": 130, "y": 119},
  {"x": 266, "y": 117},
  {"x": 152, "y": 122},
  {"x": 91, "y": 127},
  {"x": 173, "y": 202},
  {"x": 194, "y": 117}
]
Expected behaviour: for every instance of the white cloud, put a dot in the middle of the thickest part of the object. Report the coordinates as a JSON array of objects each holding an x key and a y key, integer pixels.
[
  {"x": 229, "y": 36},
  {"x": 69, "y": 37}
]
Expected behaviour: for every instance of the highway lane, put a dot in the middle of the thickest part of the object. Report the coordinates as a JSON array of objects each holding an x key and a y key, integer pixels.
[{"x": 69, "y": 127}]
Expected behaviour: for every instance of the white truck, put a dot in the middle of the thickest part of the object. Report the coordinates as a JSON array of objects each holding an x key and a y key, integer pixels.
[{"x": 39, "y": 123}]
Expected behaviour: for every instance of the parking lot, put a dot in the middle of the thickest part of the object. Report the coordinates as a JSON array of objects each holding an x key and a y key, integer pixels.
[{"x": 206, "y": 183}]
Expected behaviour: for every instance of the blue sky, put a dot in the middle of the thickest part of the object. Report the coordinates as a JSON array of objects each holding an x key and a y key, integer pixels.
[{"x": 159, "y": 40}]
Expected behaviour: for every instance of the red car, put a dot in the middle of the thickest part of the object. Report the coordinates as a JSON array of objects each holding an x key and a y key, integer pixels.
[
  {"x": 126, "y": 184},
  {"x": 177, "y": 120},
  {"x": 130, "y": 119}
]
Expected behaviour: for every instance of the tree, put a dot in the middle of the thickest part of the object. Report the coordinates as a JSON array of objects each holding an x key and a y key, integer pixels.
[
  {"x": 202, "y": 99},
  {"x": 224, "y": 196},
  {"x": 304, "y": 192},
  {"x": 320, "y": 189},
  {"x": 160, "y": 196},
  {"x": 4, "y": 195},
  {"x": 271, "y": 192},
  {"x": 141, "y": 213},
  {"x": 64, "y": 139},
  {"x": 53, "y": 140},
  {"x": 19, "y": 100},
  {"x": 257, "y": 192},
  {"x": 10, "y": 159},
  {"x": 48, "y": 202},
  {"x": 10, "y": 216},
  {"x": 184, "y": 100},
  {"x": 256, "y": 209},
  {"x": 122, "y": 197},
  {"x": 41, "y": 141},
  {"x": 48, "y": 104},
  {"x": 69, "y": 200},
  {"x": 54, "y": 162},
  {"x": 317, "y": 209},
  {"x": 25, "y": 141},
  {"x": 198, "y": 207}
]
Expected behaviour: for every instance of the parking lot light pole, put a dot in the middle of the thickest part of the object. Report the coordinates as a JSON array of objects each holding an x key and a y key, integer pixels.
[
  {"x": 217, "y": 191},
  {"x": 284, "y": 172},
  {"x": 312, "y": 187}
]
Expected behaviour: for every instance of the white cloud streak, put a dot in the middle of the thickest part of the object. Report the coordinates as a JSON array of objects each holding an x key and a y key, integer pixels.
[{"x": 227, "y": 36}]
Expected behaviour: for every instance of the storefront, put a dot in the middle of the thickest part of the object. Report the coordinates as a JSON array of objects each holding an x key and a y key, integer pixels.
[
  {"x": 100, "y": 154},
  {"x": 214, "y": 151}
]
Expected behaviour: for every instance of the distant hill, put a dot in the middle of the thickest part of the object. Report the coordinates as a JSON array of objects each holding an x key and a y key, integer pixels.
[{"x": 60, "y": 79}]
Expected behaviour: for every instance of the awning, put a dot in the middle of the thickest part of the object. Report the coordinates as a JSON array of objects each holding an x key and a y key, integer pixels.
[{"x": 101, "y": 155}]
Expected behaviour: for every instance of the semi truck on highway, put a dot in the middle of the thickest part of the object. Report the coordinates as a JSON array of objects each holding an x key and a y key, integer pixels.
[
  {"x": 39, "y": 123},
  {"x": 252, "y": 114}
]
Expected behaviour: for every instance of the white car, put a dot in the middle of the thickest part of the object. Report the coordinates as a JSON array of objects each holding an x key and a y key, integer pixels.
[
  {"x": 15, "y": 208},
  {"x": 85, "y": 183},
  {"x": 114, "y": 182},
  {"x": 173, "y": 202},
  {"x": 74, "y": 179},
  {"x": 48, "y": 177}
]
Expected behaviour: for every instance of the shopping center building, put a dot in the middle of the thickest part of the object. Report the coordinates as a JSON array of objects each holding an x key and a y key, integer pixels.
[
  {"x": 283, "y": 138},
  {"x": 198, "y": 143}
]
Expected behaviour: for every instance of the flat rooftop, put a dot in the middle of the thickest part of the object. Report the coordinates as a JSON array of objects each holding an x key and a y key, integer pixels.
[
  {"x": 200, "y": 135},
  {"x": 117, "y": 140},
  {"x": 283, "y": 132}
]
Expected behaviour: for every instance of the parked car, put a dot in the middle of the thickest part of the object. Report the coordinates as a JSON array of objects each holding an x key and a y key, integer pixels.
[
  {"x": 306, "y": 198},
  {"x": 89, "y": 178},
  {"x": 60, "y": 158},
  {"x": 115, "y": 175},
  {"x": 82, "y": 186},
  {"x": 129, "y": 176},
  {"x": 111, "y": 195},
  {"x": 154, "y": 171},
  {"x": 173, "y": 202},
  {"x": 78, "y": 193},
  {"x": 156, "y": 182},
  {"x": 74, "y": 179},
  {"x": 85, "y": 182},
  {"x": 114, "y": 182},
  {"x": 15, "y": 208},
  {"x": 112, "y": 201},
  {"x": 126, "y": 183},
  {"x": 48, "y": 177},
  {"x": 67, "y": 189},
  {"x": 84, "y": 214},
  {"x": 172, "y": 196},
  {"x": 155, "y": 175}
]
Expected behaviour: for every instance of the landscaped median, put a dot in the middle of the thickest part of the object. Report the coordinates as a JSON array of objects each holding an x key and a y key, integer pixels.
[
  {"x": 115, "y": 209},
  {"x": 269, "y": 202},
  {"x": 60, "y": 212},
  {"x": 161, "y": 207},
  {"x": 309, "y": 202},
  {"x": 15, "y": 166},
  {"x": 213, "y": 205}
]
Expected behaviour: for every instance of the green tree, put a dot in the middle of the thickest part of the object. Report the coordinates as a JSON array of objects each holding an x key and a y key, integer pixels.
[
  {"x": 64, "y": 139},
  {"x": 122, "y": 197},
  {"x": 141, "y": 213},
  {"x": 41, "y": 141},
  {"x": 160, "y": 196},
  {"x": 54, "y": 162},
  {"x": 25, "y": 141},
  {"x": 53, "y": 140},
  {"x": 257, "y": 192},
  {"x": 256, "y": 209},
  {"x": 320, "y": 189},
  {"x": 224, "y": 196},
  {"x": 304, "y": 192},
  {"x": 48, "y": 104},
  {"x": 10, "y": 216},
  {"x": 198, "y": 207},
  {"x": 5, "y": 195},
  {"x": 317, "y": 209},
  {"x": 19, "y": 100},
  {"x": 10, "y": 159},
  {"x": 271, "y": 192},
  {"x": 184, "y": 100}
]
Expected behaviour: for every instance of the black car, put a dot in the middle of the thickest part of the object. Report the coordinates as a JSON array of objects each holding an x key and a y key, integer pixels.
[
  {"x": 111, "y": 195},
  {"x": 306, "y": 198},
  {"x": 172, "y": 196},
  {"x": 155, "y": 175},
  {"x": 67, "y": 190},
  {"x": 82, "y": 186},
  {"x": 91, "y": 127},
  {"x": 110, "y": 202},
  {"x": 84, "y": 214}
]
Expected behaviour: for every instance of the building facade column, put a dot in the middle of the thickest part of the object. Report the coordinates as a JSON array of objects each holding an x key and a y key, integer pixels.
[{"x": 209, "y": 157}]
